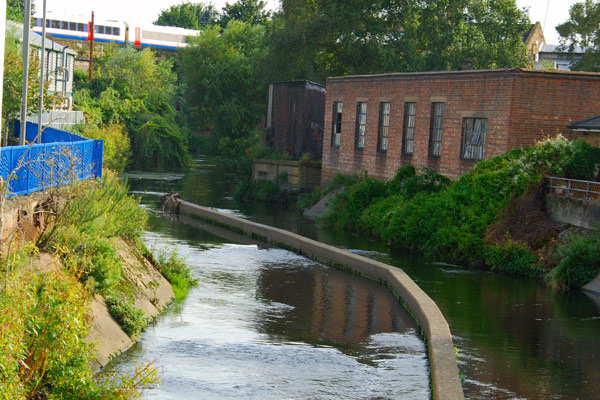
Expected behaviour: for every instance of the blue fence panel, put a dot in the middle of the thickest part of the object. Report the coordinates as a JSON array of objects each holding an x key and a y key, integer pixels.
[
  {"x": 61, "y": 158},
  {"x": 49, "y": 135}
]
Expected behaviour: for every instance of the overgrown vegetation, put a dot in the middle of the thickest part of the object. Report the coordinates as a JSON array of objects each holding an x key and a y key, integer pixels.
[
  {"x": 428, "y": 214},
  {"x": 177, "y": 273},
  {"x": 44, "y": 310}
]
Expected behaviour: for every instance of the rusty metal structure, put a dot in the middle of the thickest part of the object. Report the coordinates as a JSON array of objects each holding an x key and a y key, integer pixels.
[{"x": 295, "y": 118}]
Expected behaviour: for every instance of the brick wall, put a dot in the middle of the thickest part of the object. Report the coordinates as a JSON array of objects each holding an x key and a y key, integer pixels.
[{"x": 521, "y": 106}]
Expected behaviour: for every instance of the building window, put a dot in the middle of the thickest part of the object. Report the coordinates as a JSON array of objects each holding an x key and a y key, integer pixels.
[
  {"x": 336, "y": 134},
  {"x": 384, "y": 126},
  {"x": 437, "y": 127},
  {"x": 410, "y": 116},
  {"x": 361, "y": 125},
  {"x": 473, "y": 138}
]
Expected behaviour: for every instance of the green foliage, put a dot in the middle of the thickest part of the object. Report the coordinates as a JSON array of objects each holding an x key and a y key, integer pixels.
[
  {"x": 514, "y": 258},
  {"x": 429, "y": 215},
  {"x": 580, "y": 261},
  {"x": 407, "y": 183},
  {"x": 222, "y": 73},
  {"x": 584, "y": 162},
  {"x": 187, "y": 15},
  {"x": 124, "y": 93},
  {"x": 96, "y": 209},
  {"x": 317, "y": 39},
  {"x": 117, "y": 147},
  {"x": 309, "y": 199},
  {"x": 44, "y": 320},
  {"x": 261, "y": 190},
  {"x": 581, "y": 30},
  {"x": 177, "y": 273},
  {"x": 350, "y": 204},
  {"x": 249, "y": 11},
  {"x": 130, "y": 318},
  {"x": 15, "y": 10},
  {"x": 13, "y": 79}
]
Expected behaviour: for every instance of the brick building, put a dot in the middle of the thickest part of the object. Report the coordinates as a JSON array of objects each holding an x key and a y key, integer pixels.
[{"x": 449, "y": 120}]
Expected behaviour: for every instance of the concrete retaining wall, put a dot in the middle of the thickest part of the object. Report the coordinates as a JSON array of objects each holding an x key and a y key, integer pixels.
[
  {"x": 578, "y": 212},
  {"x": 445, "y": 380}
]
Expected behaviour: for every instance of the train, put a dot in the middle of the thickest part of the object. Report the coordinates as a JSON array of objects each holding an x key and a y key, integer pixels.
[{"x": 112, "y": 31}]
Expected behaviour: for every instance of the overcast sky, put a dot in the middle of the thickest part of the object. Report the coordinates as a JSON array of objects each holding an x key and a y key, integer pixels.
[{"x": 146, "y": 11}]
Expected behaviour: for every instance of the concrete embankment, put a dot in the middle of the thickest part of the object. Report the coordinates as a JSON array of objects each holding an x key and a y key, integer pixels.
[
  {"x": 444, "y": 370},
  {"x": 21, "y": 222}
]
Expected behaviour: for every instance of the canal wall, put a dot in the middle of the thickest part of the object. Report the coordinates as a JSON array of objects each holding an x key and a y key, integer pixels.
[
  {"x": 578, "y": 212},
  {"x": 445, "y": 379}
]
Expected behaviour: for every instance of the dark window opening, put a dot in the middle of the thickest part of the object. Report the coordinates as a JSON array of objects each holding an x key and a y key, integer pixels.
[
  {"x": 473, "y": 138},
  {"x": 410, "y": 117},
  {"x": 336, "y": 134},
  {"x": 437, "y": 127},
  {"x": 361, "y": 125},
  {"x": 384, "y": 126}
]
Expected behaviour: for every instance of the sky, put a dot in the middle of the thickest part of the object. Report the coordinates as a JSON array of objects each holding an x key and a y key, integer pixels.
[{"x": 146, "y": 11}]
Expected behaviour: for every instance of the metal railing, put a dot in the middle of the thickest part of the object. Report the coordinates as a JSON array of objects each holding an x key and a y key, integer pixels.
[
  {"x": 61, "y": 158},
  {"x": 573, "y": 188}
]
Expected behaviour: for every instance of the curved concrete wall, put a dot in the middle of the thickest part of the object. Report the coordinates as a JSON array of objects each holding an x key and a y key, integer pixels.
[{"x": 445, "y": 380}]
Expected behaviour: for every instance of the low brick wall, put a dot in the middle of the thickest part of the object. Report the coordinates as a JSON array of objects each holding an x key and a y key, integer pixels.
[
  {"x": 578, "y": 212},
  {"x": 445, "y": 380}
]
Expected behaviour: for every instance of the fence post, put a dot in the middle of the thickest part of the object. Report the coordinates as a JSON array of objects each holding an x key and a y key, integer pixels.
[
  {"x": 569, "y": 189},
  {"x": 587, "y": 193},
  {"x": 551, "y": 185}
]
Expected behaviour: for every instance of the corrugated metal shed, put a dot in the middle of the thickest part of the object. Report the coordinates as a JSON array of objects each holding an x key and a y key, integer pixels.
[{"x": 295, "y": 118}]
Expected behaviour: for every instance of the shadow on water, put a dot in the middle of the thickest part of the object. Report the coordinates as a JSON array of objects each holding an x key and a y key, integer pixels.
[{"x": 516, "y": 338}]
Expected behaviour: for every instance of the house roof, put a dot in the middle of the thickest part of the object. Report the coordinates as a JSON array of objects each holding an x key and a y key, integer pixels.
[
  {"x": 588, "y": 124},
  {"x": 556, "y": 48}
]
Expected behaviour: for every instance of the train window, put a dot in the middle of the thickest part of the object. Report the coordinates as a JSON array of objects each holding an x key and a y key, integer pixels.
[
  {"x": 48, "y": 23},
  {"x": 38, "y": 22},
  {"x": 64, "y": 25},
  {"x": 56, "y": 24},
  {"x": 116, "y": 31},
  {"x": 72, "y": 26},
  {"x": 81, "y": 27}
]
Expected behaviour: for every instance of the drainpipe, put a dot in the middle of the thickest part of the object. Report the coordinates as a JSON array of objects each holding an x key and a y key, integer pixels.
[
  {"x": 42, "y": 77},
  {"x": 26, "y": 23},
  {"x": 2, "y": 29},
  {"x": 66, "y": 74}
]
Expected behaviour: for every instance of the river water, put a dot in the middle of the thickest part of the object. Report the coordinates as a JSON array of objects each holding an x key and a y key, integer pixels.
[{"x": 265, "y": 323}]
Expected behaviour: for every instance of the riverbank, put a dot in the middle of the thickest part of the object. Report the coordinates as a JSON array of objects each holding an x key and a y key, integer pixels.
[
  {"x": 490, "y": 218},
  {"x": 79, "y": 287}
]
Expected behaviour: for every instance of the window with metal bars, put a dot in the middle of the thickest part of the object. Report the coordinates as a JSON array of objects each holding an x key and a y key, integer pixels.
[
  {"x": 410, "y": 117},
  {"x": 336, "y": 131},
  {"x": 361, "y": 125},
  {"x": 437, "y": 127},
  {"x": 384, "y": 126},
  {"x": 473, "y": 138}
]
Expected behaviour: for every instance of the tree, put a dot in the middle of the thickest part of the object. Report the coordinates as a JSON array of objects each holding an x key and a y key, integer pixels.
[
  {"x": 13, "y": 81},
  {"x": 137, "y": 90},
  {"x": 187, "y": 15},
  {"x": 15, "y": 10},
  {"x": 249, "y": 11},
  {"x": 314, "y": 39},
  {"x": 223, "y": 76},
  {"x": 582, "y": 29}
]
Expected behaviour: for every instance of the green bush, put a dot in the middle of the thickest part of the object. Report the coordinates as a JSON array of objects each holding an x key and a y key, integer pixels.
[
  {"x": 261, "y": 190},
  {"x": 428, "y": 214},
  {"x": 177, "y": 273},
  {"x": 117, "y": 147},
  {"x": 513, "y": 258},
  {"x": 579, "y": 261},
  {"x": 130, "y": 318}
]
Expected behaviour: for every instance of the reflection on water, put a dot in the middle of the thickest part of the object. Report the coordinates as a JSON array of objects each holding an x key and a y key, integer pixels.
[
  {"x": 516, "y": 338},
  {"x": 268, "y": 324}
]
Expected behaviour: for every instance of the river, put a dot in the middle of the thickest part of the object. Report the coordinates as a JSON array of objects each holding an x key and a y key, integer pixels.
[{"x": 516, "y": 339}]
